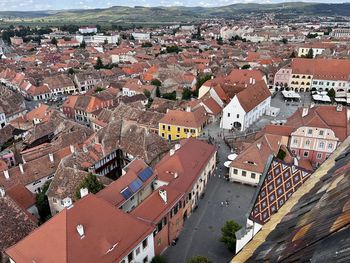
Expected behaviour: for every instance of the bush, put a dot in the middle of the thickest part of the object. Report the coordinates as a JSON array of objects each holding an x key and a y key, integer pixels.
[
  {"x": 199, "y": 259},
  {"x": 228, "y": 232},
  {"x": 281, "y": 154},
  {"x": 186, "y": 94},
  {"x": 156, "y": 82},
  {"x": 158, "y": 259}
]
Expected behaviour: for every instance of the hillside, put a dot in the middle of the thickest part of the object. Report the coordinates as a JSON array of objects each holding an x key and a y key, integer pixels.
[{"x": 177, "y": 14}]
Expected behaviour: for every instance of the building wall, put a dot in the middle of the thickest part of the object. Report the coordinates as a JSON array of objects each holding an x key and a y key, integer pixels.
[
  {"x": 237, "y": 175},
  {"x": 2, "y": 120},
  {"x": 303, "y": 51},
  {"x": 283, "y": 77},
  {"x": 234, "y": 115},
  {"x": 140, "y": 253},
  {"x": 301, "y": 82},
  {"x": 313, "y": 144},
  {"x": 177, "y": 132}
]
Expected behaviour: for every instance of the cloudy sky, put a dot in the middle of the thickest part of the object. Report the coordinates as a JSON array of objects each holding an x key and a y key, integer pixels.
[{"x": 27, "y": 5}]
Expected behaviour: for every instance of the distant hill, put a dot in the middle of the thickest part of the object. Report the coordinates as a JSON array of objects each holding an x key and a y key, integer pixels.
[{"x": 178, "y": 13}]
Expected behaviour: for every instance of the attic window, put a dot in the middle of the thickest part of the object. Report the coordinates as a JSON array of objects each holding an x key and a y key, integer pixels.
[{"x": 250, "y": 162}]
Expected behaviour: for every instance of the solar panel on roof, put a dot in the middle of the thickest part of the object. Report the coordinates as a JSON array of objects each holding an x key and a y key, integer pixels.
[
  {"x": 145, "y": 174},
  {"x": 135, "y": 185},
  {"x": 126, "y": 193}
]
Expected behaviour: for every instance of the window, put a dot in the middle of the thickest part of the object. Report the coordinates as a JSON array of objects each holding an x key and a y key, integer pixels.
[
  {"x": 330, "y": 146},
  {"x": 228, "y": 114},
  {"x": 169, "y": 127},
  {"x": 309, "y": 131},
  {"x": 193, "y": 131},
  {"x": 295, "y": 141},
  {"x": 144, "y": 243},
  {"x": 321, "y": 132},
  {"x": 54, "y": 200},
  {"x": 321, "y": 145},
  {"x": 159, "y": 241},
  {"x": 306, "y": 154},
  {"x": 123, "y": 261},
  {"x": 130, "y": 257},
  {"x": 237, "y": 116},
  {"x": 307, "y": 143},
  {"x": 244, "y": 173},
  {"x": 253, "y": 175},
  {"x": 145, "y": 260},
  {"x": 178, "y": 129},
  {"x": 235, "y": 171},
  {"x": 163, "y": 127},
  {"x": 138, "y": 251},
  {"x": 319, "y": 156}
]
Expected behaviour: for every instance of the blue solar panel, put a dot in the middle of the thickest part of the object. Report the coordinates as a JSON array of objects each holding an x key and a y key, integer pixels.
[
  {"x": 126, "y": 193},
  {"x": 145, "y": 174},
  {"x": 135, "y": 185}
]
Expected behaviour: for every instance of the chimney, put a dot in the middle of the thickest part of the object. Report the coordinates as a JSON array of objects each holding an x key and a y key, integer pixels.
[
  {"x": 85, "y": 150},
  {"x": 258, "y": 145},
  {"x": 172, "y": 152},
  {"x": 84, "y": 192},
  {"x": 188, "y": 108},
  {"x": 163, "y": 195},
  {"x": 80, "y": 230},
  {"x": 51, "y": 157},
  {"x": 305, "y": 112},
  {"x": 177, "y": 146},
  {"x": 176, "y": 175},
  {"x": 2, "y": 192},
  {"x": 253, "y": 82},
  {"x": 67, "y": 202},
  {"x": 7, "y": 175},
  {"x": 24, "y": 161},
  {"x": 72, "y": 148},
  {"x": 339, "y": 107},
  {"x": 21, "y": 168}
]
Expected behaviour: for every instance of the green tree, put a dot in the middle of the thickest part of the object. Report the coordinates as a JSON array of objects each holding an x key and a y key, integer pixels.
[
  {"x": 310, "y": 54},
  {"x": 284, "y": 41},
  {"x": 147, "y": 44},
  {"x": 201, "y": 79},
  {"x": 147, "y": 93},
  {"x": 199, "y": 259},
  {"x": 54, "y": 41},
  {"x": 156, "y": 82},
  {"x": 83, "y": 44},
  {"x": 170, "y": 96},
  {"x": 71, "y": 71},
  {"x": 158, "y": 92},
  {"x": 91, "y": 183},
  {"x": 173, "y": 49},
  {"x": 228, "y": 235},
  {"x": 99, "y": 63},
  {"x": 158, "y": 259},
  {"x": 331, "y": 93},
  {"x": 246, "y": 66},
  {"x": 186, "y": 94},
  {"x": 42, "y": 203}
]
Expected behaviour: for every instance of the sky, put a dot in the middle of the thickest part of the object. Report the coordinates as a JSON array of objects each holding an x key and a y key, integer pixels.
[{"x": 31, "y": 5}]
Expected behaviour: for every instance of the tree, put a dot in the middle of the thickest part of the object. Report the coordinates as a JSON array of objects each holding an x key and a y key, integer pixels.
[
  {"x": 83, "y": 44},
  {"x": 228, "y": 235},
  {"x": 201, "y": 79},
  {"x": 71, "y": 71},
  {"x": 199, "y": 259},
  {"x": 91, "y": 183},
  {"x": 170, "y": 96},
  {"x": 281, "y": 154},
  {"x": 42, "y": 203},
  {"x": 158, "y": 259},
  {"x": 158, "y": 92},
  {"x": 284, "y": 41},
  {"x": 246, "y": 66},
  {"x": 99, "y": 63},
  {"x": 331, "y": 93},
  {"x": 147, "y": 93},
  {"x": 310, "y": 54},
  {"x": 54, "y": 41},
  {"x": 147, "y": 44},
  {"x": 173, "y": 49},
  {"x": 186, "y": 94},
  {"x": 156, "y": 82},
  {"x": 219, "y": 41}
]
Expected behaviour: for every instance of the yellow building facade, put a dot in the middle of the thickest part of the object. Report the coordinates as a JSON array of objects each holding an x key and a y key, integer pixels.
[{"x": 174, "y": 132}]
